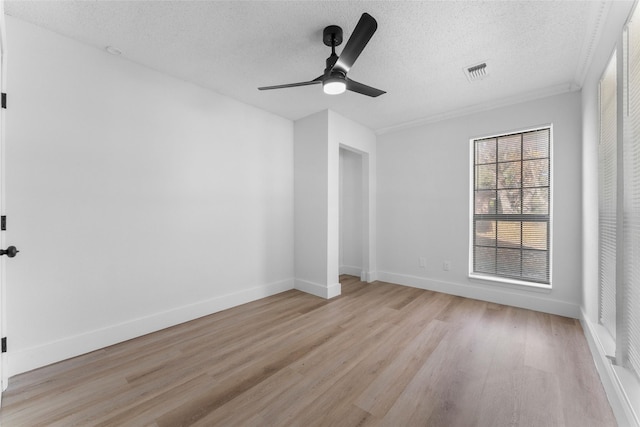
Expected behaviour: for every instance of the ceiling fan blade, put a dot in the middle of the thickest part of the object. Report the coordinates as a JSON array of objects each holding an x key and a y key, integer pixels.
[
  {"x": 355, "y": 86},
  {"x": 359, "y": 38},
  {"x": 312, "y": 82}
]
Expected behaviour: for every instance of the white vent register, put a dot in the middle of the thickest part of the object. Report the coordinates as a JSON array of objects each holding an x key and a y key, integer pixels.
[{"x": 476, "y": 72}]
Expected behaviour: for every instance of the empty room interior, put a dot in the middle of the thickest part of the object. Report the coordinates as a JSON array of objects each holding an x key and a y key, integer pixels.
[{"x": 332, "y": 213}]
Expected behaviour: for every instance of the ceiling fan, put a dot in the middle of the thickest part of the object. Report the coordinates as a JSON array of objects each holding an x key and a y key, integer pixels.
[{"x": 334, "y": 80}]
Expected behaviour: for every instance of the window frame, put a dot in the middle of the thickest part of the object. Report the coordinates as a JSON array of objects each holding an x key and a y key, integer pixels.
[
  {"x": 614, "y": 351},
  {"x": 618, "y": 185},
  {"x": 495, "y": 279}
]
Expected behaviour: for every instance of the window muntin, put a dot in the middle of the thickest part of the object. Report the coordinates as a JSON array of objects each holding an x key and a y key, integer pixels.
[{"x": 511, "y": 207}]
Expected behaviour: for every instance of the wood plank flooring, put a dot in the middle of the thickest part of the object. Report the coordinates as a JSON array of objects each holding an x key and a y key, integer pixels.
[{"x": 378, "y": 355}]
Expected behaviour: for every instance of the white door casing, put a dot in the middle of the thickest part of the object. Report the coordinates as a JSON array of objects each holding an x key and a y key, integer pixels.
[{"x": 3, "y": 60}]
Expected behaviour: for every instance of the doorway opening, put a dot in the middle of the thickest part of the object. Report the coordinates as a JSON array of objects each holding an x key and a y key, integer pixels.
[{"x": 352, "y": 216}]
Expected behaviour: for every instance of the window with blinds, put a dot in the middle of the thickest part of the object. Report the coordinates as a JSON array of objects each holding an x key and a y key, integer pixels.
[
  {"x": 511, "y": 207},
  {"x": 607, "y": 200},
  {"x": 619, "y": 198},
  {"x": 630, "y": 347}
]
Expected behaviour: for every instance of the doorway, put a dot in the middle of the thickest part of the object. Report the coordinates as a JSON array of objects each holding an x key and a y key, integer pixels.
[{"x": 351, "y": 224}]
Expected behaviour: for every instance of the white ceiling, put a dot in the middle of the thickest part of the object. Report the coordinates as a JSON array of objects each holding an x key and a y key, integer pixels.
[{"x": 532, "y": 48}]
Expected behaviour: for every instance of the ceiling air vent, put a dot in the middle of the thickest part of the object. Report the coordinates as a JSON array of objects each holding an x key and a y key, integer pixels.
[{"x": 476, "y": 72}]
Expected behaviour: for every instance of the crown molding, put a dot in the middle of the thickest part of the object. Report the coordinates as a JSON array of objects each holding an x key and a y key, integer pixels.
[
  {"x": 484, "y": 106},
  {"x": 596, "y": 23}
]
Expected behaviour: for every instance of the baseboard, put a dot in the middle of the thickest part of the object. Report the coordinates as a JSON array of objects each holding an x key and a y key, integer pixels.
[
  {"x": 499, "y": 295},
  {"x": 52, "y": 352},
  {"x": 317, "y": 289},
  {"x": 621, "y": 387},
  {"x": 351, "y": 270},
  {"x": 334, "y": 290},
  {"x": 370, "y": 276},
  {"x": 365, "y": 276}
]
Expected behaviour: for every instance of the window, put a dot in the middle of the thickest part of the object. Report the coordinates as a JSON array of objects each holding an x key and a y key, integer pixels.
[
  {"x": 630, "y": 301},
  {"x": 607, "y": 196},
  {"x": 511, "y": 221},
  {"x": 619, "y": 200}
]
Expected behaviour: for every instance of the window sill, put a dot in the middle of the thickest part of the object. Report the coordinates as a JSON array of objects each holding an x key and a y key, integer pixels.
[
  {"x": 630, "y": 390},
  {"x": 626, "y": 385},
  {"x": 510, "y": 283}
]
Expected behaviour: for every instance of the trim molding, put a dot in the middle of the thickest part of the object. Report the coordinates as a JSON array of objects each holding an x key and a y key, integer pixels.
[
  {"x": 351, "y": 270},
  {"x": 334, "y": 290},
  {"x": 370, "y": 276},
  {"x": 499, "y": 295},
  {"x": 317, "y": 289},
  {"x": 35, "y": 357},
  {"x": 612, "y": 378},
  {"x": 482, "y": 107},
  {"x": 598, "y": 16}
]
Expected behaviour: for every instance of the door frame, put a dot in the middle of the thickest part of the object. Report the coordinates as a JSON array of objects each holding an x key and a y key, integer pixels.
[
  {"x": 368, "y": 273},
  {"x": 4, "y": 379},
  {"x": 362, "y": 219}
]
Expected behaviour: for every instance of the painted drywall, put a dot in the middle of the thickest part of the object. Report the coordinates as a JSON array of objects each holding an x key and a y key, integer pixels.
[
  {"x": 318, "y": 139},
  {"x": 622, "y": 386},
  {"x": 311, "y": 195},
  {"x": 423, "y": 204},
  {"x": 351, "y": 223},
  {"x": 137, "y": 200}
]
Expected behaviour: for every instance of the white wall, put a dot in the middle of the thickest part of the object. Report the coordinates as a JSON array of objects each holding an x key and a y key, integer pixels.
[
  {"x": 137, "y": 200},
  {"x": 350, "y": 213},
  {"x": 318, "y": 139},
  {"x": 423, "y": 204},
  {"x": 311, "y": 186}
]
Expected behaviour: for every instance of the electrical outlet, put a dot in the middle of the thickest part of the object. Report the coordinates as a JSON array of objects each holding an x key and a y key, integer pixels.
[
  {"x": 446, "y": 266},
  {"x": 422, "y": 262}
]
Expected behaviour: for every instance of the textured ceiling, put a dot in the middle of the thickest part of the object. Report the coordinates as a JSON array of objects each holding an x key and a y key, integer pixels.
[{"x": 418, "y": 54}]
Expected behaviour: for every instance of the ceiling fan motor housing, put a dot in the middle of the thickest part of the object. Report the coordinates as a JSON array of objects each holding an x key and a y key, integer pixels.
[{"x": 332, "y": 35}]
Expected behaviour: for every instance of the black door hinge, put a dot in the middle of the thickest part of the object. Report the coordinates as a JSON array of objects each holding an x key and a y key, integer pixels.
[
  {"x": 4, "y": 344},
  {"x": 4, "y": 100},
  {"x": 3, "y": 223}
]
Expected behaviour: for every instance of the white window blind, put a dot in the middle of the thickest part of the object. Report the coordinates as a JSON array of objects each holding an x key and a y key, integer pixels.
[
  {"x": 631, "y": 227},
  {"x": 511, "y": 206},
  {"x": 607, "y": 176}
]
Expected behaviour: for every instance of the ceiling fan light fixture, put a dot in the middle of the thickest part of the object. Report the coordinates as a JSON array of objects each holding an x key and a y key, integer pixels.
[{"x": 334, "y": 86}]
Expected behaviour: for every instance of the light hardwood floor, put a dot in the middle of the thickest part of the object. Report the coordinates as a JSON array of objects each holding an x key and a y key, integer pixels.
[{"x": 380, "y": 354}]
